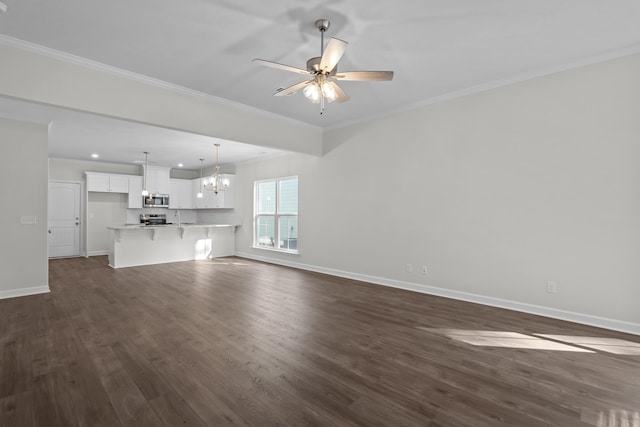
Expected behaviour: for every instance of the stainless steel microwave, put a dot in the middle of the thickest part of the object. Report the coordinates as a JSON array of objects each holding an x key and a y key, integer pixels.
[{"x": 155, "y": 201}]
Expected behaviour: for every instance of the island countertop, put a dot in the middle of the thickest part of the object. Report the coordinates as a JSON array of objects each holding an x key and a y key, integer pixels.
[
  {"x": 160, "y": 226},
  {"x": 139, "y": 244}
]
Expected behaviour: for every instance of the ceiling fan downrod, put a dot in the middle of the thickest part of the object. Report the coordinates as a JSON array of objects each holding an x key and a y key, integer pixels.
[{"x": 322, "y": 25}]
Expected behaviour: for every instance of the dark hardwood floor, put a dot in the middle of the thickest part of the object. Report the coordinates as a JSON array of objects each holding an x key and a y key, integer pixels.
[{"x": 237, "y": 342}]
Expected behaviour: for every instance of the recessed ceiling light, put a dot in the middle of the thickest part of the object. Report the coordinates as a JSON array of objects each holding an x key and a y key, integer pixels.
[
  {"x": 95, "y": 156},
  {"x": 180, "y": 165}
]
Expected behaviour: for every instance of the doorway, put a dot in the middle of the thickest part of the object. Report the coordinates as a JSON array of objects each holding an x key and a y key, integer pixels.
[{"x": 64, "y": 219}]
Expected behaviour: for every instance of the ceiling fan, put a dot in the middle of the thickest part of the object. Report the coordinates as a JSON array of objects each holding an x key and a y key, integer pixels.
[{"x": 323, "y": 71}]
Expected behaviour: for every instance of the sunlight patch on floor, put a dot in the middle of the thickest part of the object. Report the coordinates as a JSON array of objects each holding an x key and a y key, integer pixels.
[
  {"x": 505, "y": 339},
  {"x": 610, "y": 345}
]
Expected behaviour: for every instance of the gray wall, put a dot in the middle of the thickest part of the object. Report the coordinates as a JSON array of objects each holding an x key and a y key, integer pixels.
[
  {"x": 497, "y": 193},
  {"x": 23, "y": 192}
]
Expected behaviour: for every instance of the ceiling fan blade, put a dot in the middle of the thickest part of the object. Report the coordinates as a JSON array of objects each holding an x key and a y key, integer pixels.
[
  {"x": 365, "y": 75},
  {"x": 332, "y": 54},
  {"x": 291, "y": 89},
  {"x": 278, "y": 66},
  {"x": 342, "y": 97}
]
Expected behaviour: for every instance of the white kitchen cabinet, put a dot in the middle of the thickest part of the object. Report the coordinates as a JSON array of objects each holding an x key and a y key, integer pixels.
[
  {"x": 198, "y": 203},
  {"x": 181, "y": 194},
  {"x": 222, "y": 200},
  {"x": 107, "y": 183},
  {"x": 230, "y": 193},
  {"x": 157, "y": 179},
  {"x": 210, "y": 200},
  {"x": 135, "y": 192}
]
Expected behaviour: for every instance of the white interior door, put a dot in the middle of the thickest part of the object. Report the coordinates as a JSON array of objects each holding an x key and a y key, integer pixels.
[{"x": 64, "y": 219}]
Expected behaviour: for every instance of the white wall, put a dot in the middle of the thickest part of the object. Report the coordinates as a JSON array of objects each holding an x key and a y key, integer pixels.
[
  {"x": 23, "y": 192},
  {"x": 73, "y": 170},
  {"x": 497, "y": 193},
  {"x": 103, "y": 209}
]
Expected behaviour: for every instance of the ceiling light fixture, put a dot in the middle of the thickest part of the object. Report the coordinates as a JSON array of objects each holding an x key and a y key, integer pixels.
[
  {"x": 95, "y": 155},
  {"x": 323, "y": 72},
  {"x": 217, "y": 182},
  {"x": 200, "y": 195},
  {"x": 320, "y": 90},
  {"x": 145, "y": 192}
]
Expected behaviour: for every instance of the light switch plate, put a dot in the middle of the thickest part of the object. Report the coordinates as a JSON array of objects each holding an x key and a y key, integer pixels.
[{"x": 28, "y": 219}]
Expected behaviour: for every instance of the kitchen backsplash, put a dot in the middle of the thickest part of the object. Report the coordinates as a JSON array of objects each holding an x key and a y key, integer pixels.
[
  {"x": 186, "y": 215},
  {"x": 201, "y": 216}
]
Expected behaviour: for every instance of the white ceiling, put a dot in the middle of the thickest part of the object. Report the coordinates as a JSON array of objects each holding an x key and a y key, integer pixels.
[{"x": 437, "y": 48}]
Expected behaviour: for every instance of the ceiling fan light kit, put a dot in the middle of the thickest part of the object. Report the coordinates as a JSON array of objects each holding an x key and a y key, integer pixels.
[{"x": 323, "y": 70}]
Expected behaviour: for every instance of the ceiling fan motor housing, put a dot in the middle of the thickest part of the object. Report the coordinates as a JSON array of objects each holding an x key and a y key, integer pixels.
[{"x": 313, "y": 66}]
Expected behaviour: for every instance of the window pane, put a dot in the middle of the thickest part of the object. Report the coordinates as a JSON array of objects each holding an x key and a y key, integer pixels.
[
  {"x": 265, "y": 233},
  {"x": 288, "y": 196},
  {"x": 288, "y": 228},
  {"x": 266, "y": 197}
]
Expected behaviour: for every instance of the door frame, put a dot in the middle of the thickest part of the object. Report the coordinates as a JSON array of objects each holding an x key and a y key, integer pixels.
[{"x": 83, "y": 212}]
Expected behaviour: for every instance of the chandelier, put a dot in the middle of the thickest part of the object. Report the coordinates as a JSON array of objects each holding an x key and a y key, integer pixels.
[{"x": 216, "y": 182}]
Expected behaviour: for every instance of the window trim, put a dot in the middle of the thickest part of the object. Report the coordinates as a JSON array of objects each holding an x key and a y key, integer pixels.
[{"x": 276, "y": 216}]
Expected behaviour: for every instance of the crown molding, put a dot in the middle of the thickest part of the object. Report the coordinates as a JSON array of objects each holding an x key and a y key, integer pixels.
[
  {"x": 119, "y": 72},
  {"x": 97, "y": 66}
]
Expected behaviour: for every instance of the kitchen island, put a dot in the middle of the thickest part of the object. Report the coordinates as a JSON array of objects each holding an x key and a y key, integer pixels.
[{"x": 131, "y": 245}]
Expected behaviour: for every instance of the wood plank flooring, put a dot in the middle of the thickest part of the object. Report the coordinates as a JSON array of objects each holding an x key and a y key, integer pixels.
[{"x": 232, "y": 342}]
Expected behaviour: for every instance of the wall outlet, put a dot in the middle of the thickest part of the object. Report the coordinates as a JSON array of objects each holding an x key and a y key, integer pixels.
[
  {"x": 409, "y": 268},
  {"x": 552, "y": 287},
  {"x": 423, "y": 270}
]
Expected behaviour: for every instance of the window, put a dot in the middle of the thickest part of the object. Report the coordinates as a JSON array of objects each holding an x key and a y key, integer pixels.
[{"x": 276, "y": 214}]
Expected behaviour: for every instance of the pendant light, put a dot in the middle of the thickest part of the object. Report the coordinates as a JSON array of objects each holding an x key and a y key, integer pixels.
[
  {"x": 200, "y": 195},
  {"x": 217, "y": 182},
  {"x": 145, "y": 192}
]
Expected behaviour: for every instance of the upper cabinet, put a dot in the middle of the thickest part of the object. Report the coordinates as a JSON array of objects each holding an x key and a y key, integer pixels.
[
  {"x": 181, "y": 194},
  {"x": 210, "y": 200},
  {"x": 230, "y": 193},
  {"x": 157, "y": 179},
  {"x": 107, "y": 182},
  {"x": 135, "y": 192}
]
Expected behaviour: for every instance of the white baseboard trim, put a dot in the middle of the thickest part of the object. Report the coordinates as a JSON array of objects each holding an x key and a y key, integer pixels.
[
  {"x": 23, "y": 292},
  {"x": 97, "y": 253},
  {"x": 585, "y": 319}
]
